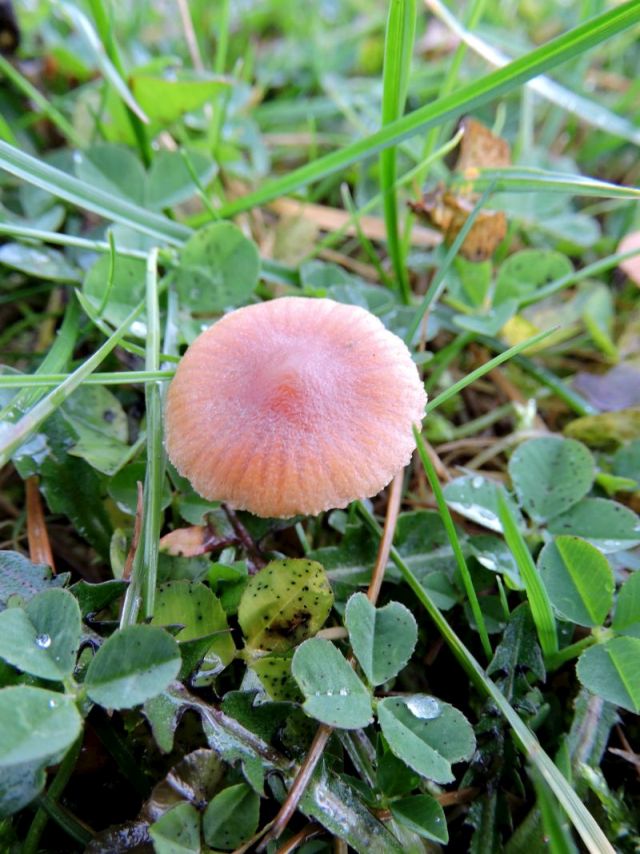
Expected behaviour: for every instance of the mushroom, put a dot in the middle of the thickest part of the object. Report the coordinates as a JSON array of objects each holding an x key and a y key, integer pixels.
[{"x": 293, "y": 406}]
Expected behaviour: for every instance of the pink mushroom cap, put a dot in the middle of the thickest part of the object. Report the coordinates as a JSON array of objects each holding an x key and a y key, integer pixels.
[{"x": 293, "y": 406}]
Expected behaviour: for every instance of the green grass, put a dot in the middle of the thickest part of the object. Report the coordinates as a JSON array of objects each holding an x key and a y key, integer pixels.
[{"x": 350, "y": 106}]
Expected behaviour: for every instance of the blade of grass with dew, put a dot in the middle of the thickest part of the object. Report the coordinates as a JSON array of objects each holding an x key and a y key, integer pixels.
[
  {"x": 438, "y": 284},
  {"x": 108, "y": 378},
  {"x": 557, "y": 838},
  {"x": 144, "y": 572},
  {"x": 582, "y": 820},
  {"x": 452, "y": 534},
  {"x": 398, "y": 51},
  {"x": 13, "y": 435},
  {"x": 584, "y": 108},
  {"x": 27, "y": 233},
  {"x": 270, "y": 270},
  {"x": 45, "y": 108},
  {"x": 518, "y": 179},
  {"x": 91, "y": 312},
  {"x": 77, "y": 192},
  {"x": 80, "y": 22},
  {"x": 466, "y": 98},
  {"x": 539, "y": 602},
  {"x": 484, "y": 369}
]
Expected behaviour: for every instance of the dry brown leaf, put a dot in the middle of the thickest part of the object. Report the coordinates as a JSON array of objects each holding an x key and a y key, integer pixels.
[
  {"x": 480, "y": 148},
  {"x": 193, "y": 541},
  {"x": 449, "y": 212},
  {"x": 37, "y": 535}
]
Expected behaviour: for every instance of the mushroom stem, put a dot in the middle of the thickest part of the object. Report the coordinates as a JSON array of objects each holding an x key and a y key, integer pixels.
[
  {"x": 391, "y": 518},
  {"x": 256, "y": 561},
  {"x": 323, "y": 732}
]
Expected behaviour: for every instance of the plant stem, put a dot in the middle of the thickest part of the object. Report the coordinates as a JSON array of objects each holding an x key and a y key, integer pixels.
[
  {"x": 399, "y": 37},
  {"x": 57, "y": 787},
  {"x": 567, "y": 653},
  {"x": 450, "y": 528},
  {"x": 145, "y": 564}
]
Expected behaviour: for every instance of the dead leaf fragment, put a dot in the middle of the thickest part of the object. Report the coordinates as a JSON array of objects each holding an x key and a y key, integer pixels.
[
  {"x": 631, "y": 267},
  {"x": 38, "y": 537},
  {"x": 448, "y": 211},
  {"x": 193, "y": 541},
  {"x": 480, "y": 148}
]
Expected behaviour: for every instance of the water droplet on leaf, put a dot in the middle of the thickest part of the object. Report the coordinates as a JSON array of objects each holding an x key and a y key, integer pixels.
[{"x": 423, "y": 706}]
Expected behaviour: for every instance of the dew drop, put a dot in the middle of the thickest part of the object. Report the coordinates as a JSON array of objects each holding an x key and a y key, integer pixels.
[
  {"x": 477, "y": 482},
  {"x": 43, "y": 641},
  {"x": 423, "y": 706}
]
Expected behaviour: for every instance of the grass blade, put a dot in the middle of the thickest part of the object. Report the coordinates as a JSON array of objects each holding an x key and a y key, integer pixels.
[
  {"x": 335, "y": 235},
  {"x": 145, "y": 564},
  {"x": 27, "y": 233},
  {"x": 473, "y": 14},
  {"x": 465, "y": 99},
  {"x": 56, "y": 359},
  {"x": 585, "y": 272},
  {"x": 582, "y": 820},
  {"x": 398, "y": 49},
  {"x": 484, "y": 369},
  {"x": 518, "y": 179},
  {"x": 83, "y": 25},
  {"x": 271, "y": 270},
  {"x": 13, "y": 435},
  {"x": 83, "y": 195},
  {"x": 437, "y": 285},
  {"x": 43, "y": 380},
  {"x": 450, "y": 528},
  {"x": 29, "y": 91},
  {"x": 585, "y": 109},
  {"x": 541, "y": 610}
]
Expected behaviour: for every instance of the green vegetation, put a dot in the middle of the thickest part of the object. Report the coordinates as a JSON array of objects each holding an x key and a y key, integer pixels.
[{"x": 451, "y": 665}]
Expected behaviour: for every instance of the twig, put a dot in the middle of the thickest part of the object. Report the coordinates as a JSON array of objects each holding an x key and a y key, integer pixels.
[
  {"x": 57, "y": 787},
  {"x": 308, "y": 832},
  {"x": 502, "y": 445},
  {"x": 137, "y": 528},
  {"x": 308, "y": 766},
  {"x": 190, "y": 35},
  {"x": 305, "y": 772}
]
